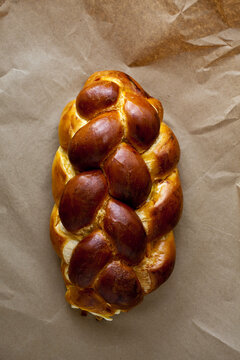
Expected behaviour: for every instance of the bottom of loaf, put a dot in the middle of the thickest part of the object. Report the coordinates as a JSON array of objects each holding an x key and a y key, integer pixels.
[
  {"x": 152, "y": 271},
  {"x": 98, "y": 316}
]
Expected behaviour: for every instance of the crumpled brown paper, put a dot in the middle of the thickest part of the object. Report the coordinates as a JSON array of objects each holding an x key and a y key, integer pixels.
[{"x": 187, "y": 54}]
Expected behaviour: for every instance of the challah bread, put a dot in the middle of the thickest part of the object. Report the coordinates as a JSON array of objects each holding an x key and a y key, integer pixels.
[{"x": 117, "y": 195}]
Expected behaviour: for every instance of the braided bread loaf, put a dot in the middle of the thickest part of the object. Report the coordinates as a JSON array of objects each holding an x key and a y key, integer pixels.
[{"x": 117, "y": 195}]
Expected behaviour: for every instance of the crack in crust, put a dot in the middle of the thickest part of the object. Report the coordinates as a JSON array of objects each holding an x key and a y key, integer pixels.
[{"x": 159, "y": 213}]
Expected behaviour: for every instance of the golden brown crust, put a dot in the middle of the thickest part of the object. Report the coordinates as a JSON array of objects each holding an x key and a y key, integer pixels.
[
  {"x": 159, "y": 210},
  {"x": 162, "y": 211},
  {"x": 57, "y": 236},
  {"x": 156, "y": 268},
  {"x": 62, "y": 172},
  {"x": 125, "y": 81},
  {"x": 70, "y": 123},
  {"x": 158, "y": 106},
  {"x": 163, "y": 156},
  {"x": 88, "y": 300}
]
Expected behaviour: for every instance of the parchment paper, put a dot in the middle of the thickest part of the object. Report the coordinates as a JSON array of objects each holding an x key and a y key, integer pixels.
[{"x": 187, "y": 54}]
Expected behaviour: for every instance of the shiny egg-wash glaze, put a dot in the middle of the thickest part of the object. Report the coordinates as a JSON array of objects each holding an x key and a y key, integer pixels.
[{"x": 117, "y": 195}]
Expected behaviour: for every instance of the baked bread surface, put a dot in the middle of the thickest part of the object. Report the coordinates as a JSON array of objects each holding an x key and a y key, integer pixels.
[{"x": 117, "y": 195}]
